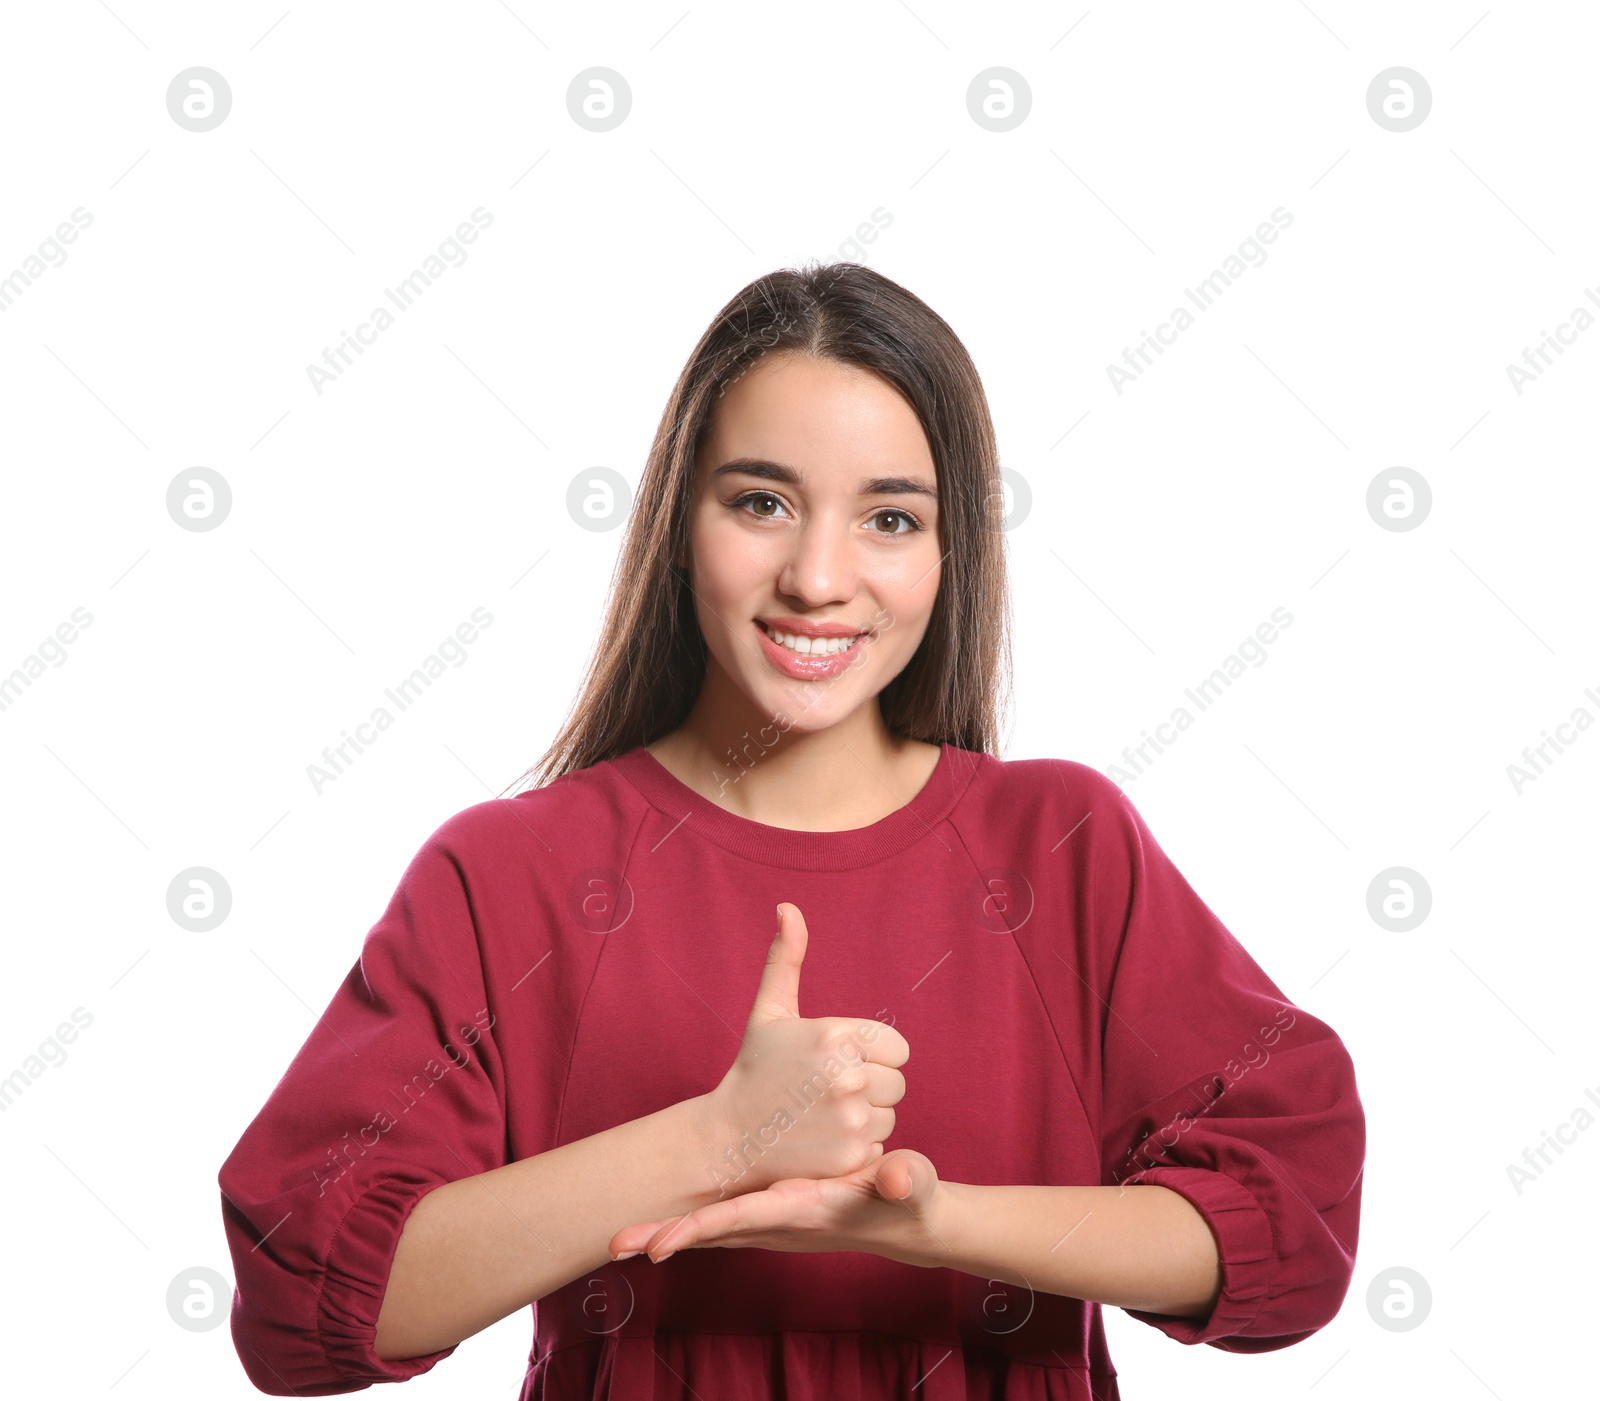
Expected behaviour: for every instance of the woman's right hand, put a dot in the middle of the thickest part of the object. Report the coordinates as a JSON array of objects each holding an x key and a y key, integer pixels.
[{"x": 844, "y": 1072}]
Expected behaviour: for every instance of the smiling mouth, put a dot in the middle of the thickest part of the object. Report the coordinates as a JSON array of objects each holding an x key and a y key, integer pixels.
[{"x": 811, "y": 646}]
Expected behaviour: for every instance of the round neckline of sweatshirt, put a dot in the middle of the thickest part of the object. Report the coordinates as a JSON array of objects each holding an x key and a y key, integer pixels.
[{"x": 790, "y": 847}]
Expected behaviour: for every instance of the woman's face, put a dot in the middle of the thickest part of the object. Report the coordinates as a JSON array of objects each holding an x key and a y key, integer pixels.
[{"x": 815, "y": 521}]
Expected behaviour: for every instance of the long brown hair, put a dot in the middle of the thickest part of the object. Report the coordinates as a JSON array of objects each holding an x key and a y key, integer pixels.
[{"x": 650, "y": 661}]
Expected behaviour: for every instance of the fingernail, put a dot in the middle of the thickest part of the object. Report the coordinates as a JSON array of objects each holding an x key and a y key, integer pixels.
[
  {"x": 659, "y": 1258},
  {"x": 626, "y": 1255}
]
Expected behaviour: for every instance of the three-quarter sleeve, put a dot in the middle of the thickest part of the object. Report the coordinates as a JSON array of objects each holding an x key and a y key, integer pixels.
[
  {"x": 397, "y": 1090},
  {"x": 1218, "y": 1088}
]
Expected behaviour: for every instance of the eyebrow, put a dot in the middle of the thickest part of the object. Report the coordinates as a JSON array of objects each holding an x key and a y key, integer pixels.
[{"x": 779, "y": 472}]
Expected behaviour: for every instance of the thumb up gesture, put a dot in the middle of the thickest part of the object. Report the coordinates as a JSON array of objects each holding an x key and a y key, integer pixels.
[
  {"x": 806, "y": 1097},
  {"x": 809, "y": 1173}
]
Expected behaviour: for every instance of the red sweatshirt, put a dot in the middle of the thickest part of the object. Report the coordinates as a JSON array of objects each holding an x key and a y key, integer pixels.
[{"x": 583, "y": 954}]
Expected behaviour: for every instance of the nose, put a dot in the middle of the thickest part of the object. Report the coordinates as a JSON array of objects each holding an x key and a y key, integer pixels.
[{"x": 821, "y": 566}]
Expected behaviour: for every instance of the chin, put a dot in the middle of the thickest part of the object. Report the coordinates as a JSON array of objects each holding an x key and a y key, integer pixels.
[{"x": 789, "y": 703}]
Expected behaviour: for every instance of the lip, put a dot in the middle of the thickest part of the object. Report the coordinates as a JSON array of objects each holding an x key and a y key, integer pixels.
[
  {"x": 810, "y": 668},
  {"x": 802, "y": 627}
]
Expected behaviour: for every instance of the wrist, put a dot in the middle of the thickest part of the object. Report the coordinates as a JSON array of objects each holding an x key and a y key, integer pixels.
[
  {"x": 711, "y": 1178},
  {"x": 941, "y": 1222}
]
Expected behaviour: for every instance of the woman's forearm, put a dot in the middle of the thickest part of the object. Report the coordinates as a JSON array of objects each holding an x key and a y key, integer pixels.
[
  {"x": 475, "y": 1250},
  {"x": 1136, "y": 1247}
]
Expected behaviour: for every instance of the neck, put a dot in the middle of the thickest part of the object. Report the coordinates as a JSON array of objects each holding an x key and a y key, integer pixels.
[{"x": 769, "y": 770}]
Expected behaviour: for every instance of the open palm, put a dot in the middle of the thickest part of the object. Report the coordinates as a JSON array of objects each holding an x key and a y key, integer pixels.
[{"x": 887, "y": 1201}]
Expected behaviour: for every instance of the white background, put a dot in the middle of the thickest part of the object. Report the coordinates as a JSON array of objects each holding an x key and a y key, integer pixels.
[{"x": 1167, "y": 522}]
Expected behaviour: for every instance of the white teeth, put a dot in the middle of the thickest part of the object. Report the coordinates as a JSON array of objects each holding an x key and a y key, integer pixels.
[{"x": 811, "y": 646}]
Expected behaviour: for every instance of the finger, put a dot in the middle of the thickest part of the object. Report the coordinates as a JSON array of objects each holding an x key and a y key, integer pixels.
[
  {"x": 880, "y": 1124},
  {"x": 885, "y": 1085},
  {"x": 766, "y": 1210},
  {"x": 703, "y": 1224},
  {"x": 769, "y": 1209},
  {"x": 884, "y": 1045},
  {"x": 778, "y": 994},
  {"x": 631, "y": 1240},
  {"x": 895, "y": 1180},
  {"x": 907, "y": 1177}
]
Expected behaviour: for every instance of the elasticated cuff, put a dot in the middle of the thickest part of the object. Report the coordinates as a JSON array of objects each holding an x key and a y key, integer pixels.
[
  {"x": 1244, "y": 1243},
  {"x": 357, "y": 1276}
]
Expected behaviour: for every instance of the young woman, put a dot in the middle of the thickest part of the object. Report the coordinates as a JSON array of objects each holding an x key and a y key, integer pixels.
[{"x": 999, "y": 1065}]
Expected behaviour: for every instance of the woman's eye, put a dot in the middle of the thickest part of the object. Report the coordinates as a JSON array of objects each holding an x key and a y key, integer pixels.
[
  {"x": 757, "y": 503},
  {"x": 895, "y": 515},
  {"x": 758, "y": 496}
]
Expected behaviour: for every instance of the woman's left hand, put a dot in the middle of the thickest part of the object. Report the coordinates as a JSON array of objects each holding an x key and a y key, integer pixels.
[{"x": 886, "y": 1208}]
